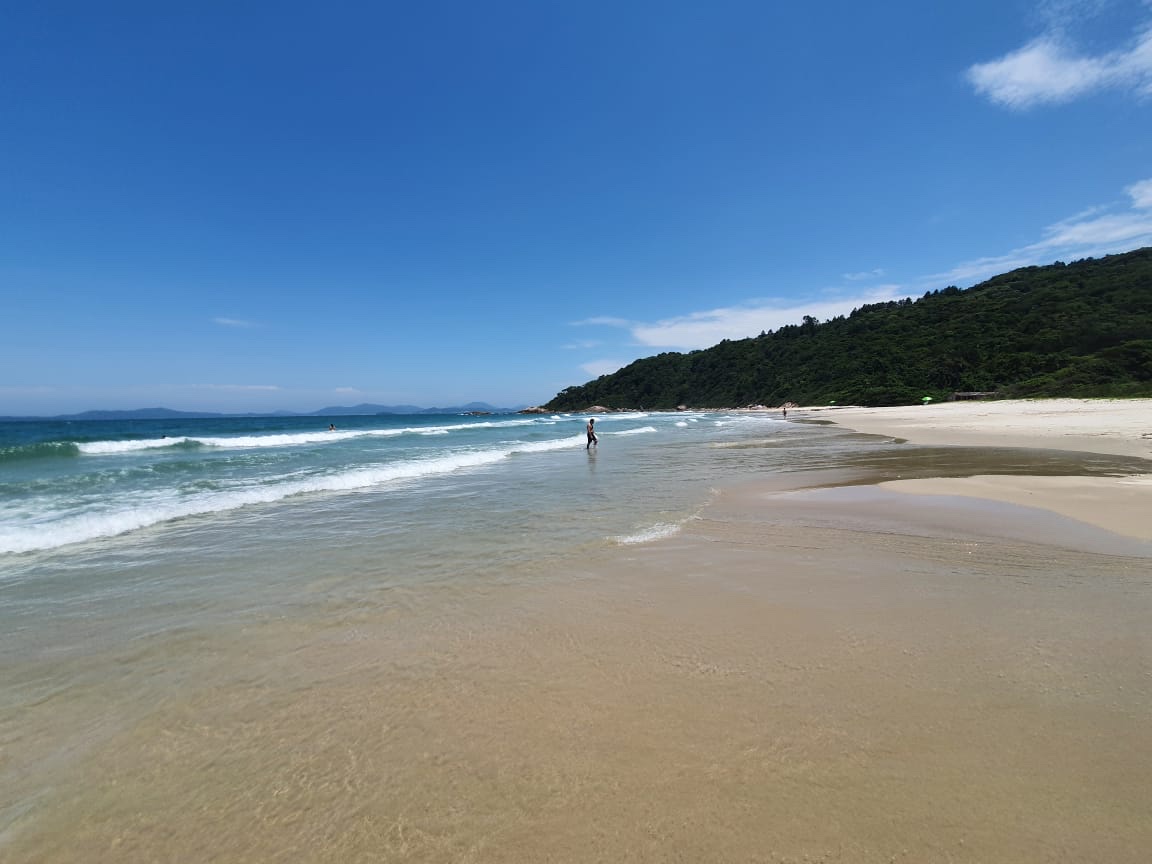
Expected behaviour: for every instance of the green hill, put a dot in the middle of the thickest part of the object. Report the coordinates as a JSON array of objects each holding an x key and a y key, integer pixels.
[{"x": 1082, "y": 329}]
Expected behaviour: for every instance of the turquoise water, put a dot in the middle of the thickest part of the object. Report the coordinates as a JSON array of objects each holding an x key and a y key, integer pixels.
[{"x": 86, "y": 486}]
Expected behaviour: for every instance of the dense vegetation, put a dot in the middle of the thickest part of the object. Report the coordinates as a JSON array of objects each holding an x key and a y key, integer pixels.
[{"x": 1082, "y": 329}]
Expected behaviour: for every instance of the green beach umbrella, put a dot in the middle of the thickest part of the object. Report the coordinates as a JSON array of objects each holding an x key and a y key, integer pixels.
[{"x": 925, "y": 399}]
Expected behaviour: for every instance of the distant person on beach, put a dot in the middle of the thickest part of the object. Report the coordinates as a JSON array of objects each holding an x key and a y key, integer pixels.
[
  {"x": 591, "y": 430},
  {"x": 784, "y": 408},
  {"x": 331, "y": 427}
]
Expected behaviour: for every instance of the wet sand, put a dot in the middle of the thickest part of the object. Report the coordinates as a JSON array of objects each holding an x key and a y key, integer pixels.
[{"x": 808, "y": 672}]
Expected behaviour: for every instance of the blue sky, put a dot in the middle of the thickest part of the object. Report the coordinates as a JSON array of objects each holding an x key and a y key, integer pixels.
[{"x": 252, "y": 206}]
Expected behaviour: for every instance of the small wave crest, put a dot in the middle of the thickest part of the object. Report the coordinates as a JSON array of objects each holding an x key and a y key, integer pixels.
[
  {"x": 641, "y": 431},
  {"x": 40, "y": 450},
  {"x": 100, "y": 448},
  {"x": 659, "y": 531}
]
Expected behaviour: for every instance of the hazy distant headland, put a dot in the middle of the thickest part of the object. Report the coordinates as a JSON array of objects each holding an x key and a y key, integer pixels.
[{"x": 364, "y": 409}]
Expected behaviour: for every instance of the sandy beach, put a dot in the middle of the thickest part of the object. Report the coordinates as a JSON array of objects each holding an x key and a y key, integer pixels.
[{"x": 816, "y": 668}]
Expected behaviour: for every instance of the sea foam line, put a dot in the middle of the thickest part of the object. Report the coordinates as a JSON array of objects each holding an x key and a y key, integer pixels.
[
  {"x": 81, "y": 527},
  {"x": 295, "y": 439},
  {"x": 652, "y": 533}
]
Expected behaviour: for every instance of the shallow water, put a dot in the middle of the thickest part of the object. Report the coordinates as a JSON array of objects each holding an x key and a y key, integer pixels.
[{"x": 243, "y": 616}]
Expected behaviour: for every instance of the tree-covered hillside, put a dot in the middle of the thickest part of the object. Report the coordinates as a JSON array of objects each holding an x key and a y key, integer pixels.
[{"x": 1081, "y": 329}]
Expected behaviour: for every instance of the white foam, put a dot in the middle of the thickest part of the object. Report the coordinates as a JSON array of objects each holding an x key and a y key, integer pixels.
[
  {"x": 643, "y": 430},
  {"x": 295, "y": 439},
  {"x": 659, "y": 531},
  {"x": 546, "y": 446},
  {"x": 51, "y": 531},
  {"x": 101, "y": 447}
]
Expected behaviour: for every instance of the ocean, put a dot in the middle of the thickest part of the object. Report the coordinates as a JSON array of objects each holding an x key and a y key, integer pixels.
[{"x": 147, "y": 565}]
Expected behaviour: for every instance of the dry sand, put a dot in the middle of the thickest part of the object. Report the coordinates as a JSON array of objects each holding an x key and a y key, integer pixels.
[
  {"x": 1119, "y": 426},
  {"x": 1116, "y": 426}
]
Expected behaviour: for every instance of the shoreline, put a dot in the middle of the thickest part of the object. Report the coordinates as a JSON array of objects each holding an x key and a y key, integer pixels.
[{"x": 1121, "y": 427}]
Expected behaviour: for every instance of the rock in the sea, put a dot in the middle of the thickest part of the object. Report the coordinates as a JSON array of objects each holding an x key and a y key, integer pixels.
[{"x": 535, "y": 409}]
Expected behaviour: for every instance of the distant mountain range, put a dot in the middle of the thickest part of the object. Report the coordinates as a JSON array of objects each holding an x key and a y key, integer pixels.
[{"x": 331, "y": 411}]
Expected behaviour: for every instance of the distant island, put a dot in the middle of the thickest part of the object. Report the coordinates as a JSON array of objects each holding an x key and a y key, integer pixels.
[
  {"x": 1063, "y": 330},
  {"x": 474, "y": 408}
]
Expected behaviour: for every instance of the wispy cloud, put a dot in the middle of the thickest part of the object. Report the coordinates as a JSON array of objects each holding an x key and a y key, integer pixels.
[
  {"x": 345, "y": 390},
  {"x": 603, "y": 321},
  {"x": 1051, "y": 68},
  {"x": 596, "y": 368},
  {"x": 1103, "y": 230},
  {"x": 702, "y": 329},
  {"x": 1141, "y": 194},
  {"x": 583, "y": 344},
  {"x": 235, "y": 387},
  {"x": 1095, "y": 232},
  {"x": 233, "y": 322},
  {"x": 864, "y": 274}
]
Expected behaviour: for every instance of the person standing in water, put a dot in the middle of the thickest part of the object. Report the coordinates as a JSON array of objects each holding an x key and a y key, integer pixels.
[{"x": 591, "y": 430}]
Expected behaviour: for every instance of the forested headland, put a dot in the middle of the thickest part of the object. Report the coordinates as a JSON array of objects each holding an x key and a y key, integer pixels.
[{"x": 1075, "y": 330}]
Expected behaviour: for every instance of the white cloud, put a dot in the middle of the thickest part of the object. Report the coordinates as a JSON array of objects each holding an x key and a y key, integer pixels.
[
  {"x": 1094, "y": 232},
  {"x": 232, "y": 322},
  {"x": 583, "y": 344},
  {"x": 345, "y": 390},
  {"x": 1100, "y": 235},
  {"x": 1041, "y": 71},
  {"x": 703, "y": 329},
  {"x": 1141, "y": 194},
  {"x": 604, "y": 367},
  {"x": 1050, "y": 70}
]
